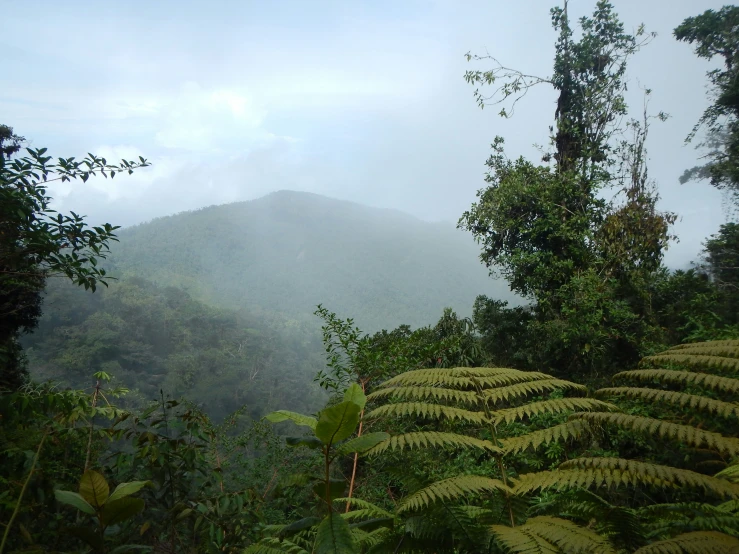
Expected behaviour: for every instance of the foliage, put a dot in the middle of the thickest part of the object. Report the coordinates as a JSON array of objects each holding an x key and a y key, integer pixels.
[{"x": 714, "y": 33}]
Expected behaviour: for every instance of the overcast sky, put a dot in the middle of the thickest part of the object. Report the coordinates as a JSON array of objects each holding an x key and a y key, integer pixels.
[{"x": 359, "y": 100}]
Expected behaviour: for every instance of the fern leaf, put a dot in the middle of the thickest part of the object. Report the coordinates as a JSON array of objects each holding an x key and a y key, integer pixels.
[
  {"x": 722, "y": 384},
  {"x": 697, "y": 542},
  {"x": 695, "y": 401},
  {"x": 554, "y": 406},
  {"x": 703, "y": 361},
  {"x": 563, "y": 535},
  {"x": 422, "y": 409},
  {"x": 511, "y": 392},
  {"x": 730, "y": 473},
  {"x": 363, "y": 505},
  {"x": 562, "y": 432},
  {"x": 619, "y": 471},
  {"x": 274, "y": 546},
  {"x": 651, "y": 426},
  {"x": 425, "y": 439},
  {"x": 723, "y": 350},
  {"x": 706, "y": 344},
  {"x": 451, "y": 489},
  {"x": 423, "y": 393}
]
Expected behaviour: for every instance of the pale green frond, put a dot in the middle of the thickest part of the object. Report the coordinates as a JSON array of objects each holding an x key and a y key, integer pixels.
[
  {"x": 702, "y": 361},
  {"x": 513, "y": 392},
  {"x": 567, "y": 536},
  {"x": 422, "y": 409},
  {"x": 365, "y": 540},
  {"x": 504, "y": 379},
  {"x": 697, "y": 542},
  {"x": 656, "y": 427},
  {"x": 364, "y": 506},
  {"x": 426, "y": 439},
  {"x": 564, "y": 431},
  {"x": 451, "y": 489},
  {"x": 731, "y": 473},
  {"x": 424, "y": 393},
  {"x": 518, "y": 540},
  {"x": 723, "y": 350},
  {"x": 655, "y": 474},
  {"x": 730, "y": 343},
  {"x": 554, "y": 406},
  {"x": 681, "y": 399},
  {"x": 721, "y": 384}
]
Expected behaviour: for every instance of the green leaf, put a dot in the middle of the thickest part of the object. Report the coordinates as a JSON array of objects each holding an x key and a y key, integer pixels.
[
  {"x": 127, "y": 489},
  {"x": 333, "y": 536},
  {"x": 299, "y": 419},
  {"x": 355, "y": 394},
  {"x": 310, "y": 442},
  {"x": 94, "y": 488},
  {"x": 74, "y": 499},
  {"x": 120, "y": 510},
  {"x": 337, "y": 422},
  {"x": 336, "y": 488},
  {"x": 363, "y": 443}
]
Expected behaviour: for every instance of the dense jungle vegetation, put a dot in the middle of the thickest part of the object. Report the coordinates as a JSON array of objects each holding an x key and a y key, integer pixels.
[{"x": 165, "y": 398}]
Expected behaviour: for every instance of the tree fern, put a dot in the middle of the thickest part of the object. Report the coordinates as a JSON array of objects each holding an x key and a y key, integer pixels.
[
  {"x": 425, "y": 410},
  {"x": 553, "y": 406},
  {"x": 512, "y": 392},
  {"x": 424, "y": 439},
  {"x": 652, "y": 426},
  {"x": 562, "y": 432},
  {"x": 698, "y": 542},
  {"x": 704, "y": 360},
  {"x": 695, "y": 401},
  {"x": 715, "y": 382},
  {"x": 423, "y": 393},
  {"x": 452, "y": 488},
  {"x": 544, "y": 534},
  {"x": 671, "y": 519},
  {"x": 461, "y": 377}
]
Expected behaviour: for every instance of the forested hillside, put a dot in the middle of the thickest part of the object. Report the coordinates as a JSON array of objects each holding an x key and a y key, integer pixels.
[{"x": 290, "y": 251}]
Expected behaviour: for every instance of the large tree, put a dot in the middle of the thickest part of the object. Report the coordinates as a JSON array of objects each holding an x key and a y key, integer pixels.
[
  {"x": 548, "y": 227},
  {"x": 716, "y": 34},
  {"x": 37, "y": 242}
]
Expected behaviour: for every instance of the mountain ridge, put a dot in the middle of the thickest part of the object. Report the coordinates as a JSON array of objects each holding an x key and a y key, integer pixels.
[{"x": 288, "y": 251}]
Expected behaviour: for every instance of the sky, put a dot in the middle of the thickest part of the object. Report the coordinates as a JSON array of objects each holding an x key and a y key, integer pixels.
[{"x": 358, "y": 100}]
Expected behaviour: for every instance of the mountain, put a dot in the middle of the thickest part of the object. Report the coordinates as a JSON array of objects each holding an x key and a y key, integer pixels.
[{"x": 289, "y": 251}]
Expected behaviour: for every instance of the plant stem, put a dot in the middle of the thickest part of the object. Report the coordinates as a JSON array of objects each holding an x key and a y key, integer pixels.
[
  {"x": 356, "y": 454},
  {"x": 23, "y": 492}
]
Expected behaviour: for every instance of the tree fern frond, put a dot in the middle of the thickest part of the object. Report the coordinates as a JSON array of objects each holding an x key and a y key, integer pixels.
[
  {"x": 511, "y": 392},
  {"x": 651, "y": 426},
  {"x": 554, "y": 406},
  {"x": 703, "y": 361},
  {"x": 374, "y": 538},
  {"x": 423, "y": 393},
  {"x": 566, "y": 536},
  {"x": 363, "y": 505},
  {"x": 725, "y": 350},
  {"x": 423, "y": 409},
  {"x": 504, "y": 379},
  {"x": 518, "y": 540},
  {"x": 450, "y": 489},
  {"x": 425, "y": 439},
  {"x": 562, "y": 432},
  {"x": 644, "y": 472},
  {"x": 730, "y": 473},
  {"x": 730, "y": 343},
  {"x": 458, "y": 376},
  {"x": 681, "y": 399},
  {"x": 722, "y": 384},
  {"x": 697, "y": 542}
]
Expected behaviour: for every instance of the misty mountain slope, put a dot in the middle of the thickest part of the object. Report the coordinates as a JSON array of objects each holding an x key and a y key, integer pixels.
[{"x": 289, "y": 251}]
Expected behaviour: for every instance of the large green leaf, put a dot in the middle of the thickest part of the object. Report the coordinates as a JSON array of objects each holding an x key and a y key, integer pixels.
[
  {"x": 363, "y": 443},
  {"x": 333, "y": 536},
  {"x": 122, "y": 509},
  {"x": 337, "y": 422},
  {"x": 355, "y": 394},
  {"x": 88, "y": 535},
  {"x": 127, "y": 489},
  {"x": 94, "y": 488},
  {"x": 299, "y": 419},
  {"x": 336, "y": 488},
  {"x": 74, "y": 499}
]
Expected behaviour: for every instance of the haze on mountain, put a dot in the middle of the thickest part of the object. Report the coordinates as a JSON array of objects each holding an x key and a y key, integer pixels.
[{"x": 289, "y": 251}]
